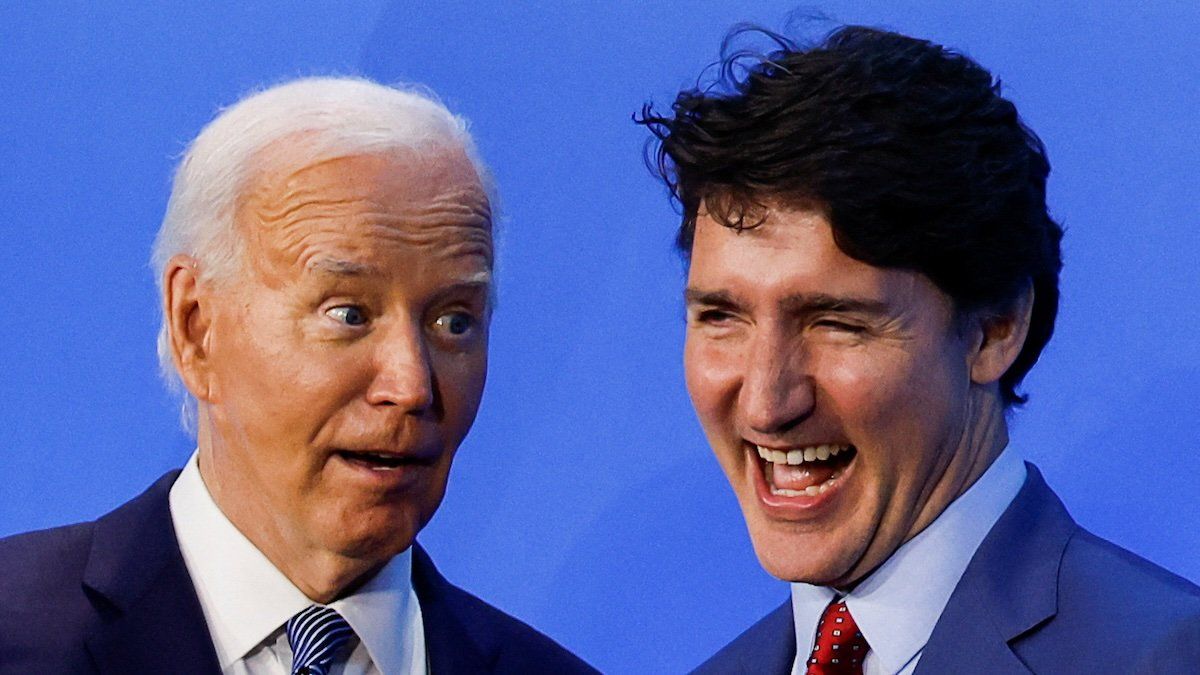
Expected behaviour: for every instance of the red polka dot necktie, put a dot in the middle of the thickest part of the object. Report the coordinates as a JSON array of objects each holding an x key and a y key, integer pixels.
[{"x": 840, "y": 646}]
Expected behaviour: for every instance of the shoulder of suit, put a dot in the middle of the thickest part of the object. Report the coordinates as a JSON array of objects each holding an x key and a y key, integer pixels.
[
  {"x": 1116, "y": 607},
  {"x": 756, "y": 649},
  {"x": 1091, "y": 564},
  {"x": 35, "y": 566},
  {"x": 44, "y": 609},
  {"x": 519, "y": 647},
  {"x": 41, "y": 572}
]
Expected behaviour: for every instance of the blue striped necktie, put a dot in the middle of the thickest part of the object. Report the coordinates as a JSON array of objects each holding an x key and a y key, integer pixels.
[{"x": 316, "y": 635}]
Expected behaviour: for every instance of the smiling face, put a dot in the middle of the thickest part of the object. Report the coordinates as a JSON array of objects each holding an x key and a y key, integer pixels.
[
  {"x": 838, "y": 397},
  {"x": 339, "y": 372}
]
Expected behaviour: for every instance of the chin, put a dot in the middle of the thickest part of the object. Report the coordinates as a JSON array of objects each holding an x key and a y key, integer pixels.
[
  {"x": 371, "y": 549},
  {"x": 800, "y": 559},
  {"x": 377, "y": 535}
]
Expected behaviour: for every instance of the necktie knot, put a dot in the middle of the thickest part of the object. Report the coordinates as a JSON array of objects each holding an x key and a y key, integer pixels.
[
  {"x": 840, "y": 647},
  {"x": 316, "y": 634}
]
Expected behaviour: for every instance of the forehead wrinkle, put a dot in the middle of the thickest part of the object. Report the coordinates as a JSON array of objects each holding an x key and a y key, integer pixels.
[
  {"x": 294, "y": 215},
  {"x": 276, "y": 198},
  {"x": 464, "y": 208},
  {"x": 449, "y": 241},
  {"x": 465, "y": 227},
  {"x": 297, "y": 209}
]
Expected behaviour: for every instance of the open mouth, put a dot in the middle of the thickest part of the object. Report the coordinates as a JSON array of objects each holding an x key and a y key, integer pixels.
[
  {"x": 806, "y": 471},
  {"x": 380, "y": 461}
]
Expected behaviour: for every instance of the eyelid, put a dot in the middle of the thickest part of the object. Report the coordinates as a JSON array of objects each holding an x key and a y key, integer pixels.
[
  {"x": 712, "y": 318},
  {"x": 452, "y": 312},
  {"x": 366, "y": 316},
  {"x": 840, "y": 324}
]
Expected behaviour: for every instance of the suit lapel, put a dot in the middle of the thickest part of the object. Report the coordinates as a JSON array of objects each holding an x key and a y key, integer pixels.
[
  {"x": 150, "y": 619},
  {"x": 774, "y": 649},
  {"x": 453, "y": 644},
  {"x": 767, "y": 647},
  {"x": 1009, "y": 588}
]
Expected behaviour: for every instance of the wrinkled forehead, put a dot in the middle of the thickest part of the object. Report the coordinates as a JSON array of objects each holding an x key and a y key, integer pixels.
[
  {"x": 306, "y": 158},
  {"x": 294, "y": 188}
]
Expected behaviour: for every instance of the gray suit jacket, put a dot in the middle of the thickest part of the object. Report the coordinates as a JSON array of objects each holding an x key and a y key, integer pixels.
[{"x": 1041, "y": 595}]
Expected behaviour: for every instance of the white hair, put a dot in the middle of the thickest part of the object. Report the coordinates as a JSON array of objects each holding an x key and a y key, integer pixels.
[{"x": 335, "y": 116}]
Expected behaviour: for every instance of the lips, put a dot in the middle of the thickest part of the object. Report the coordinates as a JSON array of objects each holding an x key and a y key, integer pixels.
[{"x": 382, "y": 460}]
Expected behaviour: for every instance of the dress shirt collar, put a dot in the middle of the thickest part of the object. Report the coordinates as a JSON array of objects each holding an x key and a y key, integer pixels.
[
  {"x": 246, "y": 599},
  {"x": 897, "y": 606}
]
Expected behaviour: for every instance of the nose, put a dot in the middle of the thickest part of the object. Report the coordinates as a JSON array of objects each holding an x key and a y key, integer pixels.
[
  {"x": 403, "y": 372},
  {"x": 777, "y": 391}
]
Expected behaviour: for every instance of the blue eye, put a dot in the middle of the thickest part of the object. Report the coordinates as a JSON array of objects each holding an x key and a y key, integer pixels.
[
  {"x": 348, "y": 314},
  {"x": 455, "y": 323}
]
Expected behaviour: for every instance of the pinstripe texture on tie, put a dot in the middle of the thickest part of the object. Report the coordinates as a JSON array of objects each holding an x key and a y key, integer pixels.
[{"x": 316, "y": 635}]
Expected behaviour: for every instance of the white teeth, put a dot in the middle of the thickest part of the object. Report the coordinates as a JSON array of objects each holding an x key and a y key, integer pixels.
[
  {"x": 810, "y": 491},
  {"x": 794, "y": 457}
]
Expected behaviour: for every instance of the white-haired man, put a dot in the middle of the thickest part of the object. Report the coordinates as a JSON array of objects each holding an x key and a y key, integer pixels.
[{"x": 325, "y": 269}]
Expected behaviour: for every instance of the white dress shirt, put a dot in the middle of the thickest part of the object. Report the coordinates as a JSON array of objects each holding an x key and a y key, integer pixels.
[
  {"x": 247, "y": 600},
  {"x": 897, "y": 606}
]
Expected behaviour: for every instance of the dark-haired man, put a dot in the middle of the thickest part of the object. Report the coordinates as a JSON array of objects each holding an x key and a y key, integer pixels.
[{"x": 872, "y": 272}]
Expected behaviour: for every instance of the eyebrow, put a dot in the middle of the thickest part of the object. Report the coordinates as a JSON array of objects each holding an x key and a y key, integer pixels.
[
  {"x": 341, "y": 268},
  {"x": 820, "y": 302},
  {"x": 695, "y": 296},
  {"x": 800, "y": 303},
  {"x": 476, "y": 283}
]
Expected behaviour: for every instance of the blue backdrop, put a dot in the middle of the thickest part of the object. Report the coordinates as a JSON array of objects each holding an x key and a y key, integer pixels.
[{"x": 585, "y": 499}]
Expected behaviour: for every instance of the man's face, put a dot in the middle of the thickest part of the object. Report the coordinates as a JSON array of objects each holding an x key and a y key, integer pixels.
[
  {"x": 852, "y": 380},
  {"x": 348, "y": 359}
]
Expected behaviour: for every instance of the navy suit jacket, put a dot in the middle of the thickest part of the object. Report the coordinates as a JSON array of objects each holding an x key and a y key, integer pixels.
[
  {"x": 114, "y": 596},
  {"x": 1041, "y": 595}
]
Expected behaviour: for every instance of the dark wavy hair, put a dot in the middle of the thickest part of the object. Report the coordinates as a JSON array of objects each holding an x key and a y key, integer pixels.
[{"x": 908, "y": 147}]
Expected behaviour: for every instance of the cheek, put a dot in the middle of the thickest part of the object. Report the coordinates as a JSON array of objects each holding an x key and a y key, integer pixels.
[
  {"x": 878, "y": 402},
  {"x": 294, "y": 389},
  {"x": 460, "y": 380},
  {"x": 709, "y": 378},
  {"x": 857, "y": 388},
  {"x": 895, "y": 408}
]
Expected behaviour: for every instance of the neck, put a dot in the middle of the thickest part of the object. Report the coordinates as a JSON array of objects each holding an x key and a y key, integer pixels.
[{"x": 985, "y": 435}]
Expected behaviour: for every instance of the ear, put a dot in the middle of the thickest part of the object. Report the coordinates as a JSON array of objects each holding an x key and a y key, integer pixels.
[
  {"x": 187, "y": 306},
  {"x": 1002, "y": 335}
]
